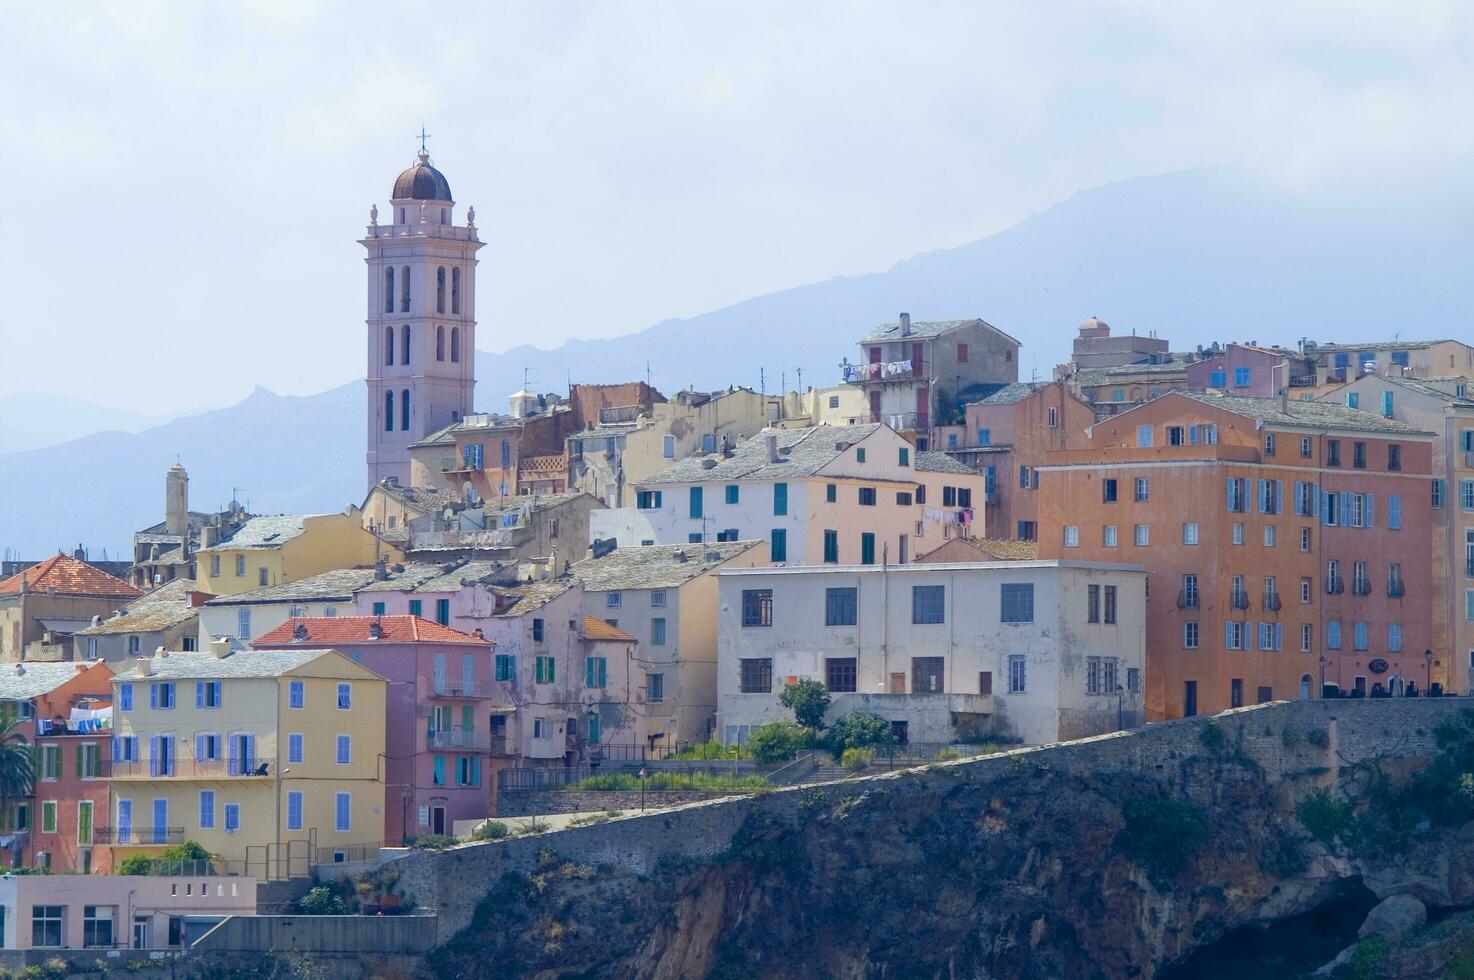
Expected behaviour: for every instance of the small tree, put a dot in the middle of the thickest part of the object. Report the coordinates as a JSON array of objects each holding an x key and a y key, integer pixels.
[
  {"x": 321, "y": 900},
  {"x": 778, "y": 741},
  {"x": 808, "y": 700},
  {"x": 858, "y": 730}
]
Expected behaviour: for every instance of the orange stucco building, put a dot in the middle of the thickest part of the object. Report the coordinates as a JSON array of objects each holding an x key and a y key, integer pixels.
[{"x": 1285, "y": 541}]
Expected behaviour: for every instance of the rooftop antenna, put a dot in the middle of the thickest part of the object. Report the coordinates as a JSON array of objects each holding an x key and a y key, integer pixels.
[
  {"x": 647, "y": 372},
  {"x": 783, "y": 382},
  {"x": 762, "y": 382},
  {"x": 800, "y": 380}
]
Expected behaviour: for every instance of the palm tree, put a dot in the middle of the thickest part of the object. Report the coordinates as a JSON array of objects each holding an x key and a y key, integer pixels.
[{"x": 17, "y": 758}]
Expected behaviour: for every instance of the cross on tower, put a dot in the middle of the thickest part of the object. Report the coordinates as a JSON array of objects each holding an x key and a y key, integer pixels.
[{"x": 423, "y": 136}]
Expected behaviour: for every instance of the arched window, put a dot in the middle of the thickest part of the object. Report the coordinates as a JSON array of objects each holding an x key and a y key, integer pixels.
[
  {"x": 404, "y": 290},
  {"x": 389, "y": 290},
  {"x": 388, "y": 345},
  {"x": 404, "y": 410},
  {"x": 440, "y": 290},
  {"x": 455, "y": 290},
  {"x": 388, "y": 411},
  {"x": 404, "y": 344},
  {"x": 1305, "y": 687},
  {"x": 439, "y": 343},
  {"x": 455, "y": 343}
]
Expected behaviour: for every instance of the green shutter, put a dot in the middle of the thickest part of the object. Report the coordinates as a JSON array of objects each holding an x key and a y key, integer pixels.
[{"x": 80, "y": 771}]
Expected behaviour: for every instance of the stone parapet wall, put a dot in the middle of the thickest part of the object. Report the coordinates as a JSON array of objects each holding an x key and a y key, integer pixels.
[{"x": 526, "y": 803}]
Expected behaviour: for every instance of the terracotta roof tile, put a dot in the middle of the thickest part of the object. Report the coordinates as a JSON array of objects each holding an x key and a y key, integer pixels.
[
  {"x": 68, "y": 576},
  {"x": 597, "y": 629},
  {"x": 328, "y": 630}
]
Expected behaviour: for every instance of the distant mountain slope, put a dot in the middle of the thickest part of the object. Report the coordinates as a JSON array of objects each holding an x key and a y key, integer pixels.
[
  {"x": 31, "y": 420},
  {"x": 1195, "y": 257}
]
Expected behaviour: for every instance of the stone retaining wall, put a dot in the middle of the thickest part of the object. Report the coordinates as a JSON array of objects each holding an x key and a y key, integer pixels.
[{"x": 523, "y": 803}]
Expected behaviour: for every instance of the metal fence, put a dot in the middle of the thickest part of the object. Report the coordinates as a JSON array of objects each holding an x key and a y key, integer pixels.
[
  {"x": 527, "y": 780},
  {"x": 654, "y": 752}
]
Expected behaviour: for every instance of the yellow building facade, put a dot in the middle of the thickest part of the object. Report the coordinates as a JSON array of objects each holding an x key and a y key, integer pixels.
[
  {"x": 270, "y": 760},
  {"x": 269, "y": 551}
]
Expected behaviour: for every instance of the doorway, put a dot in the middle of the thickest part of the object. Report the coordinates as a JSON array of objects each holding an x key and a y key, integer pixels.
[
  {"x": 437, "y": 820},
  {"x": 1189, "y": 698},
  {"x": 140, "y": 932}
]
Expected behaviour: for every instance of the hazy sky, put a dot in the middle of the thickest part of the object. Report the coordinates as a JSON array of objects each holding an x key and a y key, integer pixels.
[{"x": 185, "y": 182}]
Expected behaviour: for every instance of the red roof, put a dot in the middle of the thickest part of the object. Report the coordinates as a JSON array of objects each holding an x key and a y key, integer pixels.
[
  {"x": 597, "y": 629},
  {"x": 68, "y": 576},
  {"x": 328, "y": 630}
]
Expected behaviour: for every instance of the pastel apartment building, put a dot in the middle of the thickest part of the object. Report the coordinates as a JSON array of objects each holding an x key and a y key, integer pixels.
[
  {"x": 855, "y": 495},
  {"x": 1420, "y": 359},
  {"x": 66, "y": 713},
  {"x": 167, "y": 617},
  {"x": 916, "y": 376},
  {"x": 260, "y": 756},
  {"x": 269, "y": 551},
  {"x": 946, "y": 652},
  {"x": 665, "y": 596},
  {"x": 98, "y": 912},
  {"x": 44, "y": 605},
  {"x": 1247, "y": 369},
  {"x": 1286, "y": 543},
  {"x": 441, "y": 698}
]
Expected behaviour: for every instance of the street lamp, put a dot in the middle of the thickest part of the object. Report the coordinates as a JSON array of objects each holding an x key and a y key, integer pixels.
[
  {"x": 1428, "y": 675},
  {"x": 1120, "y": 708}
]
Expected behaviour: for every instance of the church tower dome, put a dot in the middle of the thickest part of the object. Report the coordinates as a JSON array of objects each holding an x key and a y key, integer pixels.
[{"x": 421, "y": 182}]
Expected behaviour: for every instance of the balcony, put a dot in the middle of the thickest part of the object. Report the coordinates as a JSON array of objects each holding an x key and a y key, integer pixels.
[
  {"x": 499, "y": 746},
  {"x": 1361, "y": 587},
  {"x": 465, "y": 692},
  {"x": 459, "y": 738},
  {"x": 1272, "y": 601},
  {"x": 1187, "y": 600},
  {"x": 137, "y": 836},
  {"x": 1240, "y": 600},
  {"x": 1335, "y": 585},
  {"x": 879, "y": 373},
  {"x": 1396, "y": 589},
  {"x": 192, "y": 769}
]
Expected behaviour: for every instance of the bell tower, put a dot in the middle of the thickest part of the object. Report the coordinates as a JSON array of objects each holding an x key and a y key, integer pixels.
[{"x": 421, "y": 318}]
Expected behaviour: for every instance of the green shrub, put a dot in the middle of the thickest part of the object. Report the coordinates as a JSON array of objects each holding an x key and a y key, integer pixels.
[
  {"x": 490, "y": 830},
  {"x": 858, "y": 730},
  {"x": 1366, "y": 960},
  {"x": 1318, "y": 737},
  {"x": 713, "y": 751},
  {"x": 856, "y": 759},
  {"x": 946, "y": 755},
  {"x": 1163, "y": 833},
  {"x": 1211, "y": 736},
  {"x": 1326, "y": 817},
  {"x": 808, "y": 700},
  {"x": 434, "y": 842},
  {"x": 321, "y": 900},
  {"x": 778, "y": 741}
]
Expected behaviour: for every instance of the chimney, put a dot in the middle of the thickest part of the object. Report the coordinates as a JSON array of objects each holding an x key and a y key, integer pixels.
[
  {"x": 299, "y": 631},
  {"x": 381, "y": 569},
  {"x": 176, "y": 501},
  {"x": 772, "y": 442},
  {"x": 145, "y": 667},
  {"x": 1285, "y": 400},
  {"x": 160, "y": 653},
  {"x": 478, "y": 634},
  {"x": 220, "y": 649},
  {"x": 376, "y": 630},
  {"x": 80, "y": 553},
  {"x": 905, "y": 324}
]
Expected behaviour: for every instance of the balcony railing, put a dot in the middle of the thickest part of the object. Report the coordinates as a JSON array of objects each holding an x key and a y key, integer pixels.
[
  {"x": 1361, "y": 587},
  {"x": 1240, "y": 600},
  {"x": 1272, "y": 601},
  {"x": 1396, "y": 589},
  {"x": 1335, "y": 585},
  {"x": 458, "y": 738},
  {"x": 499, "y": 746},
  {"x": 191, "y": 769},
  {"x": 137, "y": 836},
  {"x": 1187, "y": 600},
  {"x": 465, "y": 692}
]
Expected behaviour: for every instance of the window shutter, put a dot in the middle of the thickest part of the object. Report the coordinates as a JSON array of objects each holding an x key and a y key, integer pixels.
[
  {"x": 199, "y": 694},
  {"x": 1370, "y": 522},
  {"x": 153, "y": 695},
  {"x": 1279, "y": 636},
  {"x": 1228, "y": 635},
  {"x": 232, "y": 756},
  {"x": 80, "y": 770},
  {"x": 199, "y": 747},
  {"x": 1228, "y": 491},
  {"x": 1279, "y": 496},
  {"x": 476, "y": 771},
  {"x": 250, "y": 760}
]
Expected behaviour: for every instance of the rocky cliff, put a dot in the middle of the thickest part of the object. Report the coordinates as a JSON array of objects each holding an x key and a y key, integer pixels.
[{"x": 1114, "y": 857}]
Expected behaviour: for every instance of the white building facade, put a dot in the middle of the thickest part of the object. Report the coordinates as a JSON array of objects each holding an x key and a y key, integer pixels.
[
  {"x": 421, "y": 318},
  {"x": 1039, "y": 651}
]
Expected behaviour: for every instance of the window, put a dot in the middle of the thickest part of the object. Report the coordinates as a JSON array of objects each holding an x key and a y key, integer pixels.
[
  {"x": 243, "y": 623},
  {"x": 50, "y": 762},
  {"x": 667, "y": 447},
  {"x": 1100, "y": 675},
  {"x": 1143, "y": 436},
  {"x": 1241, "y": 377},
  {"x": 1387, "y": 407},
  {"x": 345, "y": 697},
  {"x": 831, "y": 493},
  {"x": 240, "y": 566},
  {"x": 757, "y": 607},
  {"x": 1190, "y": 533},
  {"x": 1028, "y": 530},
  {"x": 867, "y": 548},
  {"x": 1269, "y": 444},
  {"x": 1466, "y": 494},
  {"x": 1110, "y": 604},
  {"x": 903, "y": 498},
  {"x": 207, "y": 809},
  {"x": 831, "y": 547},
  {"x": 840, "y": 674},
  {"x": 1359, "y": 455},
  {"x": 1016, "y": 674},
  {"x": 985, "y": 437},
  {"x": 342, "y": 812},
  {"x": 694, "y": 505},
  {"x": 1305, "y": 447},
  {"x": 1175, "y": 435},
  {"x": 345, "y": 749},
  {"x": 654, "y": 687},
  {"x": 1072, "y": 536},
  {"x": 596, "y": 672},
  {"x": 1394, "y": 512},
  {"x": 1359, "y": 635},
  {"x": 1305, "y": 539},
  {"x": 1092, "y": 605},
  {"x": 1016, "y": 601},
  {"x": 733, "y": 492},
  {"x": 867, "y": 496},
  {"x": 294, "y": 747},
  {"x": 1269, "y": 536},
  {"x": 1394, "y": 637},
  {"x": 125, "y": 697},
  {"x": 648, "y": 500},
  {"x": 296, "y": 694},
  {"x": 294, "y": 810},
  {"x": 928, "y": 675},
  {"x": 1141, "y": 535},
  {"x": 657, "y": 633},
  {"x": 207, "y": 694},
  {"x": 46, "y": 925},
  {"x": 506, "y": 667},
  {"x": 928, "y": 604},
  {"x": 161, "y": 695},
  {"x": 841, "y": 606},
  {"x": 544, "y": 670},
  {"x": 961, "y": 353},
  {"x": 859, "y": 455},
  {"x": 613, "y": 600},
  {"x": 756, "y": 674},
  {"x": 416, "y": 607},
  {"x": 1333, "y": 452},
  {"x": 1189, "y": 635},
  {"x": 1143, "y": 490},
  {"x": 1107, "y": 491},
  {"x": 1218, "y": 379},
  {"x": 84, "y": 822},
  {"x": 442, "y": 612},
  {"x": 1109, "y": 536},
  {"x": 903, "y": 456},
  {"x": 1233, "y": 635}
]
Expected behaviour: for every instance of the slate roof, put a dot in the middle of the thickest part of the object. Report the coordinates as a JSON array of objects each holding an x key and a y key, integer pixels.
[
  {"x": 1314, "y": 414},
  {"x": 921, "y": 329},
  {"x": 332, "y": 630},
  {"x": 339, "y": 584},
  {"x": 161, "y": 609},
  {"x": 1422, "y": 387},
  {"x": 446, "y": 436},
  {"x": 1105, "y": 375},
  {"x": 530, "y": 596},
  {"x": 21, "y": 682},
  {"x": 1374, "y": 345},
  {"x": 467, "y": 573},
  {"x": 654, "y": 566},
  {"x": 935, "y": 462},
  {"x": 808, "y": 451},
  {"x": 240, "y": 664},
  {"x": 263, "y": 533},
  {"x": 597, "y": 629},
  {"x": 539, "y": 501},
  {"x": 66, "y": 575},
  {"x": 404, "y": 578},
  {"x": 1012, "y": 393},
  {"x": 423, "y": 499}
]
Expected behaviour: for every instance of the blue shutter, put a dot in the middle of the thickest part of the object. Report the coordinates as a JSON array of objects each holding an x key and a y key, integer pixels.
[
  {"x": 217, "y": 692},
  {"x": 161, "y": 821},
  {"x": 1228, "y": 490},
  {"x": 232, "y": 754},
  {"x": 125, "y": 820},
  {"x": 1228, "y": 635},
  {"x": 199, "y": 747},
  {"x": 250, "y": 759},
  {"x": 1370, "y": 521},
  {"x": 199, "y": 694},
  {"x": 1279, "y": 496},
  {"x": 153, "y": 695}
]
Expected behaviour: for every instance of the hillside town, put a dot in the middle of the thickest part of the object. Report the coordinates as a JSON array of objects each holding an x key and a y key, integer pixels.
[{"x": 610, "y": 597}]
